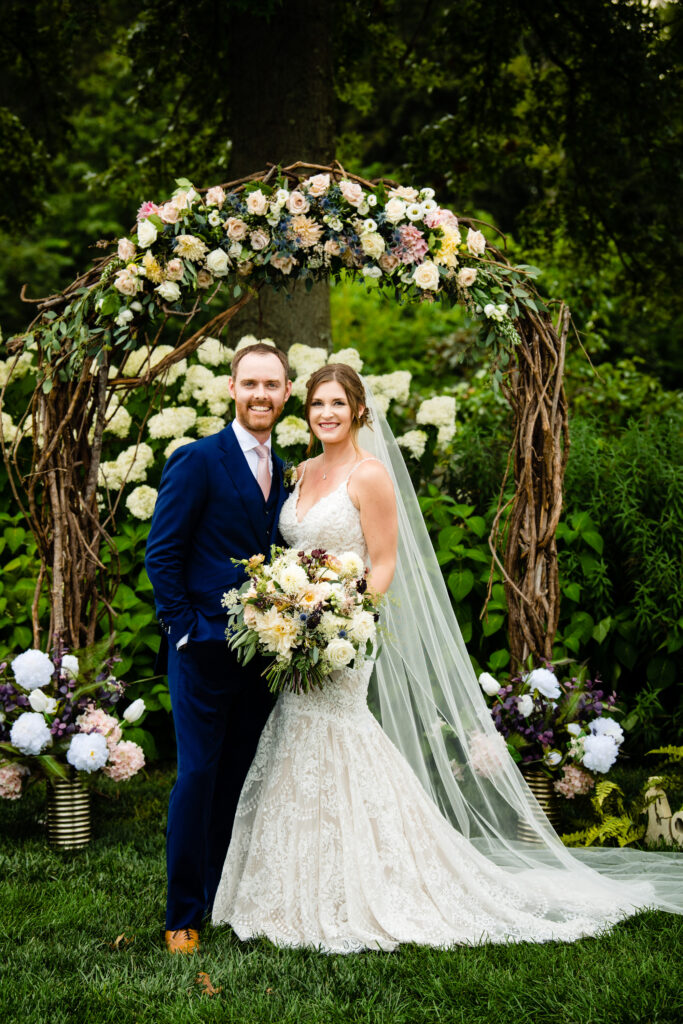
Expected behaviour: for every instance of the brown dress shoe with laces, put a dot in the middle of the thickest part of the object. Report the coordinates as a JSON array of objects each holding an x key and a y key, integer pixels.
[{"x": 182, "y": 940}]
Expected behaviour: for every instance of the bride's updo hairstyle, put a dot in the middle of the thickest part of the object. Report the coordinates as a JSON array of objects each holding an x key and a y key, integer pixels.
[{"x": 355, "y": 396}]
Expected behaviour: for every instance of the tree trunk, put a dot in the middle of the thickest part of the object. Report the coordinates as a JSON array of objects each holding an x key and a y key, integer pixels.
[{"x": 281, "y": 96}]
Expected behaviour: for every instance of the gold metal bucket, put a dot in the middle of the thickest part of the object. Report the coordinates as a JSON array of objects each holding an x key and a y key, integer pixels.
[
  {"x": 68, "y": 813},
  {"x": 542, "y": 788}
]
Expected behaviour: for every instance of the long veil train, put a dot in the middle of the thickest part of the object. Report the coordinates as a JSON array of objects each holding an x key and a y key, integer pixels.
[{"x": 431, "y": 706}]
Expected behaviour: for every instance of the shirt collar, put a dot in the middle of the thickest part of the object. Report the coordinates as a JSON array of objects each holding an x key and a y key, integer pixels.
[{"x": 246, "y": 440}]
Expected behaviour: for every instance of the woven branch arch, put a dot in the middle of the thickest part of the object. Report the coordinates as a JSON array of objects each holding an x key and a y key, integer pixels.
[{"x": 301, "y": 222}]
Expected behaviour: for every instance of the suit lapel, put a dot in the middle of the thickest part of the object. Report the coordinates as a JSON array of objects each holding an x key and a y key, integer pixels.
[{"x": 234, "y": 461}]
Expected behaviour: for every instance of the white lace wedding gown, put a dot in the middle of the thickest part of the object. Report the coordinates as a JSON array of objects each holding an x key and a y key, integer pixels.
[{"x": 337, "y": 845}]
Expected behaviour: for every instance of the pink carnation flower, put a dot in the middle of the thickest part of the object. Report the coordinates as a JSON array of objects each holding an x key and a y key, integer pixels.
[
  {"x": 11, "y": 776},
  {"x": 125, "y": 760},
  {"x": 147, "y": 209},
  {"x": 574, "y": 782},
  {"x": 95, "y": 720},
  {"x": 412, "y": 246}
]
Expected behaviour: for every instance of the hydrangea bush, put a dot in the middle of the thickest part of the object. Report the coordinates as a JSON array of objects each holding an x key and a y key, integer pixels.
[
  {"x": 57, "y": 711},
  {"x": 558, "y": 726}
]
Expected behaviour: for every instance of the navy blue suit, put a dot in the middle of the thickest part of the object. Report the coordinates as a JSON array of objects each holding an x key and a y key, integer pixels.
[{"x": 209, "y": 509}]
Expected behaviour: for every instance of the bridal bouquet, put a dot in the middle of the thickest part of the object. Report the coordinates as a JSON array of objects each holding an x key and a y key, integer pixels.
[
  {"x": 310, "y": 609},
  {"x": 559, "y": 726},
  {"x": 56, "y": 714}
]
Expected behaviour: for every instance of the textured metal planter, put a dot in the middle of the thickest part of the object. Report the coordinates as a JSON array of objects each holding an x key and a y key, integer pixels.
[
  {"x": 542, "y": 788},
  {"x": 68, "y": 813}
]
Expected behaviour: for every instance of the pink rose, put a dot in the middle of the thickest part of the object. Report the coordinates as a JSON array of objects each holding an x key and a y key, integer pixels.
[
  {"x": 352, "y": 192},
  {"x": 204, "y": 279},
  {"x": 236, "y": 228},
  {"x": 282, "y": 263},
  {"x": 259, "y": 239},
  {"x": 126, "y": 283},
  {"x": 388, "y": 261},
  {"x": 332, "y": 248},
  {"x": 297, "y": 202},
  {"x": 126, "y": 250},
  {"x": 318, "y": 184},
  {"x": 257, "y": 204},
  {"x": 169, "y": 213},
  {"x": 215, "y": 196},
  {"x": 147, "y": 209},
  {"x": 175, "y": 269}
]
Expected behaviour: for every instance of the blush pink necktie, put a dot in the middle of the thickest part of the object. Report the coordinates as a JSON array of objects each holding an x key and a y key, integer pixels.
[{"x": 263, "y": 469}]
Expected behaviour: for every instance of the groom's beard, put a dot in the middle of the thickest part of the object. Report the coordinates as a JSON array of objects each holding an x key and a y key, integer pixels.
[{"x": 263, "y": 421}]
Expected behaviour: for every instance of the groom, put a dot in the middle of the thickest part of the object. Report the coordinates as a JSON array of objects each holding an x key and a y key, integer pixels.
[{"x": 219, "y": 498}]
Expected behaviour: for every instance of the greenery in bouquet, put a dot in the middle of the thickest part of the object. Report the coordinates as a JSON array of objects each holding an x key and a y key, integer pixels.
[
  {"x": 56, "y": 715},
  {"x": 558, "y": 726},
  {"x": 309, "y": 612}
]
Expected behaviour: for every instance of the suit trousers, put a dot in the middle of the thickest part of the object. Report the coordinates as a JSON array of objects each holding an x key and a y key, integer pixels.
[{"x": 219, "y": 711}]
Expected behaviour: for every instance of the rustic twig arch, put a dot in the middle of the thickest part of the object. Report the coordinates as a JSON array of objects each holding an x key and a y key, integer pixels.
[{"x": 79, "y": 332}]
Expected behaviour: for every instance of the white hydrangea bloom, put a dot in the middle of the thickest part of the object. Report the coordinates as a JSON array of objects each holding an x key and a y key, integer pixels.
[
  {"x": 348, "y": 356},
  {"x": 172, "y": 422},
  {"x": 217, "y": 396},
  {"x": 197, "y": 379},
  {"x": 140, "y": 359},
  {"x": 414, "y": 441},
  {"x": 11, "y": 371},
  {"x": 291, "y": 430},
  {"x": 250, "y": 339},
  {"x": 141, "y": 501},
  {"x": 118, "y": 419},
  {"x": 32, "y": 669},
  {"x": 9, "y": 431},
  {"x": 133, "y": 463},
  {"x": 109, "y": 476},
  {"x": 305, "y": 360},
  {"x": 439, "y": 412},
  {"x": 88, "y": 752},
  {"x": 207, "y": 425},
  {"x": 396, "y": 385},
  {"x": 30, "y": 733},
  {"x": 299, "y": 388},
  {"x": 600, "y": 752},
  {"x": 382, "y": 403},
  {"x": 176, "y": 443},
  {"x": 212, "y": 352}
]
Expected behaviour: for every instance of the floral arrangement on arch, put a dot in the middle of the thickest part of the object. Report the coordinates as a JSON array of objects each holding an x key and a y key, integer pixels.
[
  {"x": 270, "y": 234},
  {"x": 558, "y": 726},
  {"x": 55, "y": 718}
]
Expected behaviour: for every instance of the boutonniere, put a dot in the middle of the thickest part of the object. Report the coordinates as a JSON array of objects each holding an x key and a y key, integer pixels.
[{"x": 289, "y": 476}]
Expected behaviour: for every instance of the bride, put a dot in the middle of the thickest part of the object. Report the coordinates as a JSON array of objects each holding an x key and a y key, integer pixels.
[{"x": 352, "y": 835}]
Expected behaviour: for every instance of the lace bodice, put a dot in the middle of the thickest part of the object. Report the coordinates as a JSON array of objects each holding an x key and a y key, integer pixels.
[{"x": 332, "y": 523}]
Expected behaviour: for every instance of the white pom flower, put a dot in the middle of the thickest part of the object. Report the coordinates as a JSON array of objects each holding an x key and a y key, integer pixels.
[
  {"x": 291, "y": 430},
  {"x": 39, "y": 701},
  {"x": 172, "y": 422},
  {"x": 606, "y": 726},
  {"x": 70, "y": 665},
  {"x": 599, "y": 752},
  {"x": 414, "y": 441},
  {"x": 32, "y": 669},
  {"x": 488, "y": 684},
  {"x": 134, "y": 711},
  {"x": 88, "y": 752},
  {"x": 545, "y": 681},
  {"x": 339, "y": 653},
  {"x": 348, "y": 356},
  {"x": 30, "y": 733},
  {"x": 141, "y": 501}
]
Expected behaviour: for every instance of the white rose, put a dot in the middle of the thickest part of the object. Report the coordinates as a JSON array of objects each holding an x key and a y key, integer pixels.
[
  {"x": 257, "y": 204},
  {"x": 42, "y": 703},
  {"x": 69, "y": 665},
  {"x": 147, "y": 233},
  {"x": 134, "y": 711},
  {"x": 426, "y": 276},
  {"x": 362, "y": 627},
  {"x": 476, "y": 243},
  {"x": 338, "y": 653},
  {"x": 545, "y": 681},
  {"x": 217, "y": 262},
  {"x": 169, "y": 291},
  {"x": 318, "y": 184},
  {"x": 124, "y": 317},
  {"x": 395, "y": 211},
  {"x": 466, "y": 277},
  {"x": 489, "y": 684},
  {"x": 525, "y": 705},
  {"x": 372, "y": 244}
]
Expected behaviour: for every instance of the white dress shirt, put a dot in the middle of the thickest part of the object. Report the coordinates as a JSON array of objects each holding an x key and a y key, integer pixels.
[{"x": 248, "y": 444}]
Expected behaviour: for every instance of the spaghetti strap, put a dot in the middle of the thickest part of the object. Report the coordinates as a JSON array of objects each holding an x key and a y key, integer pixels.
[{"x": 370, "y": 458}]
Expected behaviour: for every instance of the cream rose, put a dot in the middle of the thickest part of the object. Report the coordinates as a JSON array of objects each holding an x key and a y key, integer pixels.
[
  {"x": 175, "y": 269},
  {"x": 466, "y": 277},
  {"x": 235, "y": 228},
  {"x": 297, "y": 202},
  {"x": 259, "y": 239},
  {"x": 215, "y": 196},
  {"x": 388, "y": 261},
  {"x": 318, "y": 184},
  {"x": 147, "y": 233},
  {"x": 126, "y": 250},
  {"x": 169, "y": 291},
  {"x": 395, "y": 210},
  {"x": 339, "y": 653},
  {"x": 257, "y": 203},
  {"x": 352, "y": 192},
  {"x": 372, "y": 244},
  {"x": 476, "y": 243},
  {"x": 282, "y": 263},
  {"x": 217, "y": 263},
  {"x": 126, "y": 283},
  {"x": 169, "y": 213},
  {"x": 204, "y": 279},
  {"x": 426, "y": 276}
]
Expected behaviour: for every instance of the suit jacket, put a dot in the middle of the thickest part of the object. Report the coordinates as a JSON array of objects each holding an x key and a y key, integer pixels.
[{"x": 209, "y": 509}]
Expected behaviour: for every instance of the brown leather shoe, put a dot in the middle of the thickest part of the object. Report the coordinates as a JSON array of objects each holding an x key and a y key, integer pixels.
[{"x": 182, "y": 940}]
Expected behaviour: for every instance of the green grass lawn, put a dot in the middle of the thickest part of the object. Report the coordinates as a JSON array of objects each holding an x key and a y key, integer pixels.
[{"x": 61, "y": 914}]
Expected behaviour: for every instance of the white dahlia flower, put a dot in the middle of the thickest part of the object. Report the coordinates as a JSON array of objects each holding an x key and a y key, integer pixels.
[{"x": 88, "y": 752}]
